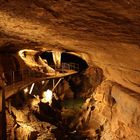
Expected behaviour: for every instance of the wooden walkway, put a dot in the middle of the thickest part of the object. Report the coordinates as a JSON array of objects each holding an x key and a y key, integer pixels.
[{"x": 15, "y": 87}]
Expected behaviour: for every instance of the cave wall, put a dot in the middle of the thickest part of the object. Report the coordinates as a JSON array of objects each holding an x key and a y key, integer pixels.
[
  {"x": 9, "y": 63},
  {"x": 116, "y": 115}
]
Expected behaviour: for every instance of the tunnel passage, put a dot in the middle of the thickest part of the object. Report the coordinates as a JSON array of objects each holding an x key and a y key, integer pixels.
[
  {"x": 48, "y": 56},
  {"x": 70, "y": 58},
  {"x": 66, "y": 58}
]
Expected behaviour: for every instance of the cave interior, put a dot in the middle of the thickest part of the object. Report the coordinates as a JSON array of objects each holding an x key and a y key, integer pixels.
[{"x": 69, "y": 70}]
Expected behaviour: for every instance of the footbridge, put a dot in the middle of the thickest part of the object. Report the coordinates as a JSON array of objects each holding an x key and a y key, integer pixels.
[{"x": 27, "y": 77}]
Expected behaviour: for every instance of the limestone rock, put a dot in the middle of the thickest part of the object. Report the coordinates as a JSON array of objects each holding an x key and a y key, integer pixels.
[
  {"x": 25, "y": 132},
  {"x": 128, "y": 108},
  {"x": 65, "y": 91},
  {"x": 21, "y": 115},
  {"x": 90, "y": 80},
  {"x": 117, "y": 110}
]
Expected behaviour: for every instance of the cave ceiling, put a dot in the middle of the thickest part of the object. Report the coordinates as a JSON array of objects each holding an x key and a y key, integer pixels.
[{"x": 107, "y": 30}]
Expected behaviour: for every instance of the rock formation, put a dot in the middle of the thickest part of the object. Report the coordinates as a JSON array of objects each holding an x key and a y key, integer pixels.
[{"x": 105, "y": 34}]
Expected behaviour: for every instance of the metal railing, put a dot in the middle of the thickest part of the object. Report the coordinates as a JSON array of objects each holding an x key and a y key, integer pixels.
[
  {"x": 70, "y": 66},
  {"x": 12, "y": 77},
  {"x": 66, "y": 66}
]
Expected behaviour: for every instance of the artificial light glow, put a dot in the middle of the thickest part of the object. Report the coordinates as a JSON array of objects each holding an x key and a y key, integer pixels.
[
  {"x": 31, "y": 89},
  {"x": 26, "y": 90},
  {"x": 43, "y": 82},
  {"x": 47, "y": 97}
]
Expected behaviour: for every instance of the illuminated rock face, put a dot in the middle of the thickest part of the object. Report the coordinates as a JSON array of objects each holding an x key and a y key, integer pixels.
[
  {"x": 57, "y": 58},
  {"x": 117, "y": 112},
  {"x": 107, "y": 32}
]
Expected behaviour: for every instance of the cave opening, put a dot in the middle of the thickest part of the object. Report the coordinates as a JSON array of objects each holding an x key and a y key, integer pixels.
[
  {"x": 66, "y": 58},
  {"x": 70, "y": 58},
  {"x": 48, "y": 56}
]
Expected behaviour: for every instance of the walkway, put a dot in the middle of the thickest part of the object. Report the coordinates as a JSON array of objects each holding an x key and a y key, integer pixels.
[{"x": 32, "y": 77}]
